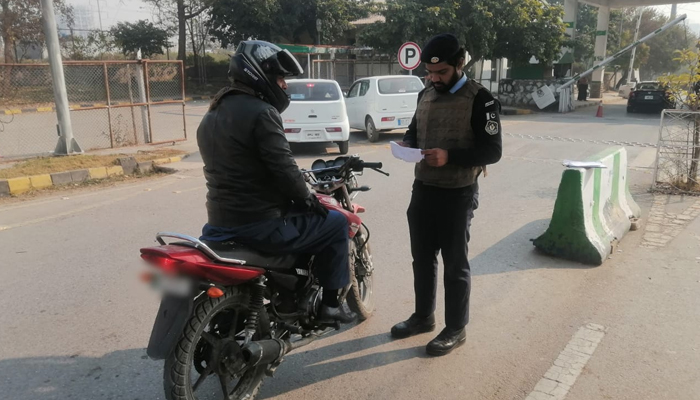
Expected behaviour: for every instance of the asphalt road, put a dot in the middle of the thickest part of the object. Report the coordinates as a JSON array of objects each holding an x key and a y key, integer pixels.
[{"x": 75, "y": 320}]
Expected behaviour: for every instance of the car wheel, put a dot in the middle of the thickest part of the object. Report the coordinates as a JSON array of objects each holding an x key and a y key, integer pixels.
[
  {"x": 630, "y": 110},
  {"x": 344, "y": 147},
  {"x": 372, "y": 133}
]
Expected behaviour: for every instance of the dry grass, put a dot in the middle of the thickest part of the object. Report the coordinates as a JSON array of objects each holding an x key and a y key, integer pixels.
[{"x": 49, "y": 165}]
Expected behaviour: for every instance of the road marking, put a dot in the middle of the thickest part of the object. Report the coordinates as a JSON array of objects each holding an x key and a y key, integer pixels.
[{"x": 557, "y": 382}]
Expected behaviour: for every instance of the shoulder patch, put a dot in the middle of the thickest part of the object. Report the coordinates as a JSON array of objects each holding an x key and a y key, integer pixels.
[
  {"x": 490, "y": 103},
  {"x": 491, "y": 127}
]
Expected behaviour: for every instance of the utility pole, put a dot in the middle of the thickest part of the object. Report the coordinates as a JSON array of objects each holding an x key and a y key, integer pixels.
[
  {"x": 634, "y": 50},
  {"x": 674, "y": 10},
  {"x": 66, "y": 143},
  {"x": 99, "y": 14}
]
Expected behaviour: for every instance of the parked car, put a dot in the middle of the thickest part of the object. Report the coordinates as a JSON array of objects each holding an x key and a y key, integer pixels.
[
  {"x": 316, "y": 113},
  {"x": 382, "y": 103},
  {"x": 649, "y": 96}
]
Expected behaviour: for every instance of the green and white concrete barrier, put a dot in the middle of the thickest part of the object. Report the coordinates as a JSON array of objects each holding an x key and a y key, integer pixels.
[{"x": 593, "y": 209}]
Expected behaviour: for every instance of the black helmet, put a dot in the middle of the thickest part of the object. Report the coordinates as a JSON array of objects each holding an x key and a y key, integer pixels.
[{"x": 258, "y": 64}]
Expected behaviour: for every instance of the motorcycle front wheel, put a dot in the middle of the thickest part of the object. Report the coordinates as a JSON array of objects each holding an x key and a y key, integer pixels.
[
  {"x": 207, "y": 362},
  {"x": 361, "y": 296}
]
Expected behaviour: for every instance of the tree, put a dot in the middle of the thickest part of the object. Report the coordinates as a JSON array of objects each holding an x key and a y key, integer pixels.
[
  {"x": 526, "y": 28},
  {"x": 514, "y": 29},
  {"x": 179, "y": 12},
  {"x": 21, "y": 24},
  {"x": 653, "y": 58},
  {"x": 142, "y": 35},
  {"x": 275, "y": 20},
  {"x": 76, "y": 47}
]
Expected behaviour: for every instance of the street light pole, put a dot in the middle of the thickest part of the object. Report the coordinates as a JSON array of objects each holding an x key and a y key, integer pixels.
[
  {"x": 319, "y": 25},
  {"x": 66, "y": 143}
]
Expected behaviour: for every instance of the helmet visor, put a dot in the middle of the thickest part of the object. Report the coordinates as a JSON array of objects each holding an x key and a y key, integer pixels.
[{"x": 288, "y": 64}]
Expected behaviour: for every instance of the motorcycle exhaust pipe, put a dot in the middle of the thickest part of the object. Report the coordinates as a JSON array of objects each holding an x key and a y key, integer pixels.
[{"x": 263, "y": 352}]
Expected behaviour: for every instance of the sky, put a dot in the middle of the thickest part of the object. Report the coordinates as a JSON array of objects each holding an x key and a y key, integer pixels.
[{"x": 113, "y": 11}]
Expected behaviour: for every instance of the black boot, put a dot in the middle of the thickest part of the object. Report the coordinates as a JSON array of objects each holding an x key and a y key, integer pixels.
[
  {"x": 446, "y": 341},
  {"x": 331, "y": 314},
  {"x": 413, "y": 326}
]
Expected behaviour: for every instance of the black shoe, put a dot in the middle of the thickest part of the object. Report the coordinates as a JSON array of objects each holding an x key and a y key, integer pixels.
[
  {"x": 446, "y": 341},
  {"x": 332, "y": 314},
  {"x": 413, "y": 326}
]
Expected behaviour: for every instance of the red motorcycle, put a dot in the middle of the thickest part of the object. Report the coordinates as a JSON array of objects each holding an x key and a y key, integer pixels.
[{"x": 230, "y": 314}]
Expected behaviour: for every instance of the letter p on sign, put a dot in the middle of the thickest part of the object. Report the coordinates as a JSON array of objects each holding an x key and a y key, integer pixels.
[{"x": 409, "y": 56}]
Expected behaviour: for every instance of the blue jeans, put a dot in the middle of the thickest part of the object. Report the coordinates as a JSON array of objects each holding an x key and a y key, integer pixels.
[{"x": 327, "y": 238}]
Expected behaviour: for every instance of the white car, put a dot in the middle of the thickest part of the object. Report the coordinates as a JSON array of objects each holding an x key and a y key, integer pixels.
[
  {"x": 316, "y": 113},
  {"x": 382, "y": 103}
]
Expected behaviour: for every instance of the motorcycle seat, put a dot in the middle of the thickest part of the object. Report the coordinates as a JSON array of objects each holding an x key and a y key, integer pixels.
[{"x": 253, "y": 258}]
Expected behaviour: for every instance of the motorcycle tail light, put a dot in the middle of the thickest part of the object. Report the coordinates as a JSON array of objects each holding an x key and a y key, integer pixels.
[{"x": 167, "y": 264}]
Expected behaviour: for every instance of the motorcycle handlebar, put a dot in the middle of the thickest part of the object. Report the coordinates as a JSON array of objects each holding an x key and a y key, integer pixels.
[{"x": 371, "y": 165}]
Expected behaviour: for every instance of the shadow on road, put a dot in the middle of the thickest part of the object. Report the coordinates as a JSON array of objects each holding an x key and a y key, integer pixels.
[
  {"x": 516, "y": 252},
  {"x": 308, "y": 368}
]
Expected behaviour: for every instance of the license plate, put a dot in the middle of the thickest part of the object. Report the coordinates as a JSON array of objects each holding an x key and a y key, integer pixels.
[
  {"x": 313, "y": 135},
  {"x": 648, "y": 97},
  {"x": 404, "y": 121},
  {"x": 174, "y": 285}
]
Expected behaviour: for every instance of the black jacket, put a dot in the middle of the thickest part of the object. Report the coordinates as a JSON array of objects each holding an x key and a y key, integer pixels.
[{"x": 250, "y": 172}]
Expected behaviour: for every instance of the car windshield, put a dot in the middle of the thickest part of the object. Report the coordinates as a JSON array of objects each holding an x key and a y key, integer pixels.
[
  {"x": 399, "y": 85},
  {"x": 649, "y": 86},
  {"x": 312, "y": 91}
]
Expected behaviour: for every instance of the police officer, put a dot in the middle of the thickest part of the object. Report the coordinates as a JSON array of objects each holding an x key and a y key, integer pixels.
[{"x": 457, "y": 124}]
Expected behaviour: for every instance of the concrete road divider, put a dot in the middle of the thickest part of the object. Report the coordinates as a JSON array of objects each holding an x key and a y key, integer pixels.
[{"x": 593, "y": 210}]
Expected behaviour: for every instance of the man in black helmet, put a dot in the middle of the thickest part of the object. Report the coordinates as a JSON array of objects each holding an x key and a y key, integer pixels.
[
  {"x": 257, "y": 195},
  {"x": 457, "y": 124}
]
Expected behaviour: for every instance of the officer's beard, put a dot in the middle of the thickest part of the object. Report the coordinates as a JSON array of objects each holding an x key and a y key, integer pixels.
[{"x": 444, "y": 88}]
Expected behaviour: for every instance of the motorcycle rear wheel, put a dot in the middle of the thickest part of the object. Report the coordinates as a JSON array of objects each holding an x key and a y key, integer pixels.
[
  {"x": 361, "y": 296},
  {"x": 213, "y": 319}
]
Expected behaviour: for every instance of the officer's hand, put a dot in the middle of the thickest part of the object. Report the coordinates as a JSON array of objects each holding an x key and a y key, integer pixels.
[{"x": 435, "y": 157}]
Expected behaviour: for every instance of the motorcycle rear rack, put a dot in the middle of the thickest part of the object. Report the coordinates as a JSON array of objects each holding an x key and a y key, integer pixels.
[{"x": 199, "y": 245}]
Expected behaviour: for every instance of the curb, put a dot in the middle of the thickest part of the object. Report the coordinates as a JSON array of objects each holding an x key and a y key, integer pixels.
[
  {"x": 17, "y": 186},
  {"x": 592, "y": 212}
]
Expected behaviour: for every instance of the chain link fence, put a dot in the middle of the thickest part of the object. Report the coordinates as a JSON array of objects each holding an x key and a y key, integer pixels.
[
  {"x": 678, "y": 153},
  {"x": 113, "y": 104}
]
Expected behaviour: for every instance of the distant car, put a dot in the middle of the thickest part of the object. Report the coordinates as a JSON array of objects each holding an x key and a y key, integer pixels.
[
  {"x": 649, "y": 96},
  {"x": 625, "y": 90},
  {"x": 316, "y": 113},
  {"x": 382, "y": 103}
]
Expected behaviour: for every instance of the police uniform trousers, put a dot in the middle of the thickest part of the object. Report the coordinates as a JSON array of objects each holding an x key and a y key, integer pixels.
[{"x": 439, "y": 221}]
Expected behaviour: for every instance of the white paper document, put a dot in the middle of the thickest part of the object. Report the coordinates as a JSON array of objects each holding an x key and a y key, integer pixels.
[
  {"x": 583, "y": 164},
  {"x": 406, "y": 153}
]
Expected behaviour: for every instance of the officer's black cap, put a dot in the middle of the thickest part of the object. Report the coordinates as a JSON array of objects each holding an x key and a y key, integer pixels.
[{"x": 441, "y": 48}]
